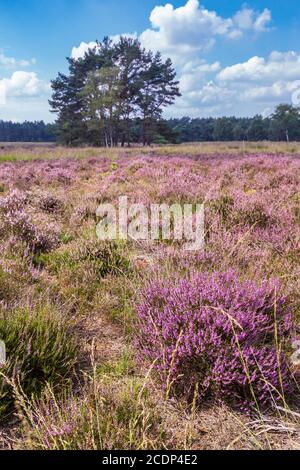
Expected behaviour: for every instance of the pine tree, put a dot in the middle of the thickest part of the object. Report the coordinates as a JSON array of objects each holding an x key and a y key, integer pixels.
[{"x": 110, "y": 87}]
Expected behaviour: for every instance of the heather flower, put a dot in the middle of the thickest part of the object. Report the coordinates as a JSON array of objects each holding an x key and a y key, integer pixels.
[
  {"x": 218, "y": 332},
  {"x": 16, "y": 220},
  {"x": 46, "y": 201}
]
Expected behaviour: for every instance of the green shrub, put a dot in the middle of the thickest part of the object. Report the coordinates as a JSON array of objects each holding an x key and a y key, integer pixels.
[
  {"x": 105, "y": 258},
  {"x": 39, "y": 349}
]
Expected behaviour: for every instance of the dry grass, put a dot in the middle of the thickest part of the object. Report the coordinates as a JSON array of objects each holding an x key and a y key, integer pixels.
[
  {"x": 17, "y": 152},
  {"x": 111, "y": 401}
]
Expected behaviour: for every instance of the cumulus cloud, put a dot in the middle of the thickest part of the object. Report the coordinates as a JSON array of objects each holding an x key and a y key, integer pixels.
[
  {"x": 247, "y": 88},
  {"x": 23, "y": 96},
  {"x": 200, "y": 67},
  {"x": 189, "y": 29},
  {"x": 278, "y": 66},
  {"x": 279, "y": 90},
  {"x": 79, "y": 52},
  {"x": 23, "y": 84},
  {"x": 262, "y": 21},
  {"x": 117, "y": 37},
  {"x": 193, "y": 28}
]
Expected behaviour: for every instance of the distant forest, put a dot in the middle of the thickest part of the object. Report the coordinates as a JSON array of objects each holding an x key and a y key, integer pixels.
[
  {"x": 283, "y": 125},
  {"x": 36, "y": 131}
]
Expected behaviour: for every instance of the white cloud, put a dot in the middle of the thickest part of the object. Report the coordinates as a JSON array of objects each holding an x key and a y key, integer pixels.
[
  {"x": 263, "y": 20},
  {"x": 247, "y": 88},
  {"x": 193, "y": 28},
  {"x": 11, "y": 62},
  {"x": 20, "y": 108},
  {"x": 117, "y": 37},
  {"x": 23, "y": 84},
  {"x": 278, "y": 66},
  {"x": 244, "y": 18},
  {"x": 189, "y": 29},
  {"x": 248, "y": 19},
  {"x": 23, "y": 96},
  {"x": 279, "y": 90},
  {"x": 195, "y": 73},
  {"x": 79, "y": 52}
]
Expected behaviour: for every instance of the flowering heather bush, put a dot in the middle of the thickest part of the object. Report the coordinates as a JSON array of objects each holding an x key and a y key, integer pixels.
[
  {"x": 55, "y": 172},
  {"x": 25, "y": 174},
  {"x": 46, "y": 201},
  {"x": 15, "y": 220},
  {"x": 218, "y": 332}
]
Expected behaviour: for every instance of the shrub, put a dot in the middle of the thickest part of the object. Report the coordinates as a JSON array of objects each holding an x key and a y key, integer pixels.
[
  {"x": 104, "y": 258},
  {"x": 223, "y": 207},
  {"x": 219, "y": 333},
  {"x": 39, "y": 350},
  {"x": 255, "y": 215},
  {"x": 16, "y": 221},
  {"x": 46, "y": 201}
]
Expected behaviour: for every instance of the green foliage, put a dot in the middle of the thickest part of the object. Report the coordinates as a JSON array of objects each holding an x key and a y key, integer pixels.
[
  {"x": 36, "y": 131},
  {"x": 128, "y": 127},
  {"x": 223, "y": 129},
  {"x": 106, "y": 258},
  {"x": 119, "y": 368},
  {"x": 254, "y": 216},
  {"x": 39, "y": 349},
  {"x": 66, "y": 238},
  {"x": 282, "y": 125},
  {"x": 108, "y": 89},
  {"x": 258, "y": 129},
  {"x": 286, "y": 123},
  {"x": 7, "y": 287}
]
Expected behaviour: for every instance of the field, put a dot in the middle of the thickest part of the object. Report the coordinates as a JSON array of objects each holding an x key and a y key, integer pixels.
[{"x": 140, "y": 344}]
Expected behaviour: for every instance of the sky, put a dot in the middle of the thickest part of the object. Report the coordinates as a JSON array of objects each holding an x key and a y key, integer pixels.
[{"x": 231, "y": 57}]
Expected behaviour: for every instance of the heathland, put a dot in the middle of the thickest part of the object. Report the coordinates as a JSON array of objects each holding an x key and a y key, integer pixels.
[{"x": 143, "y": 345}]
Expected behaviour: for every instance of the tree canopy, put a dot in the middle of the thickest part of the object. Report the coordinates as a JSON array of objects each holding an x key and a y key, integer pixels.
[{"x": 109, "y": 90}]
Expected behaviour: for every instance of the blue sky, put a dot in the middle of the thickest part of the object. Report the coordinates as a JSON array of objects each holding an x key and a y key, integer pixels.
[{"x": 231, "y": 57}]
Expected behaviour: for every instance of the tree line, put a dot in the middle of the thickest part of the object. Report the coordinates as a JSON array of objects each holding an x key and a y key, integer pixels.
[
  {"x": 283, "y": 125},
  {"x": 36, "y": 131}
]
